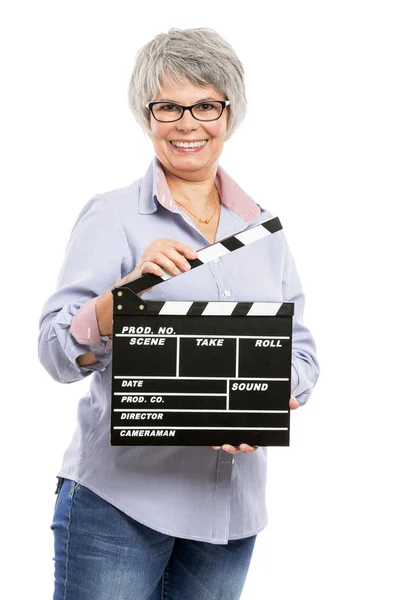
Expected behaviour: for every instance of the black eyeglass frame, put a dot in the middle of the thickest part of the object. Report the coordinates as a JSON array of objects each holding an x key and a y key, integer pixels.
[{"x": 223, "y": 103}]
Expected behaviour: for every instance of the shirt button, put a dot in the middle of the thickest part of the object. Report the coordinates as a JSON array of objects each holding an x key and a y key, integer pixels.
[
  {"x": 215, "y": 260},
  {"x": 227, "y": 293},
  {"x": 233, "y": 460}
]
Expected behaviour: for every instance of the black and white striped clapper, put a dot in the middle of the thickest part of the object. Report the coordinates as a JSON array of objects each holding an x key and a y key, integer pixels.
[{"x": 201, "y": 373}]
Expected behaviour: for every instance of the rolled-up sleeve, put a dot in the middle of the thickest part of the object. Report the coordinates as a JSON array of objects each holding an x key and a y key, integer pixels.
[
  {"x": 305, "y": 366},
  {"x": 93, "y": 262}
]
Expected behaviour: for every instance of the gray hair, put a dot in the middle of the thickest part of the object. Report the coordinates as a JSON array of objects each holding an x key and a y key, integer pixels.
[{"x": 200, "y": 55}]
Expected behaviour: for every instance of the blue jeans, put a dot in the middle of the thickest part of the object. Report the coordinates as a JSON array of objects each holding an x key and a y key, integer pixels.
[{"x": 102, "y": 554}]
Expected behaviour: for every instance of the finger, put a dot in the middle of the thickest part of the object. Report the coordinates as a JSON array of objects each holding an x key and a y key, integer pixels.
[
  {"x": 150, "y": 267},
  {"x": 184, "y": 249},
  {"x": 242, "y": 447},
  {"x": 293, "y": 404},
  {"x": 231, "y": 449},
  {"x": 176, "y": 257},
  {"x": 247, "y": 448},
  {"x": 160, "y": 259}
]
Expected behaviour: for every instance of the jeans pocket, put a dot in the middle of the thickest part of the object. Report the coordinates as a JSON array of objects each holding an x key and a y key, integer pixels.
[{"x": 65, "y": 491}]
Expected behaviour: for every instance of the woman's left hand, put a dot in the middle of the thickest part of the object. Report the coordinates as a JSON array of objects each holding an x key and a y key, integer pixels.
[{"x": 293, "y": 404}]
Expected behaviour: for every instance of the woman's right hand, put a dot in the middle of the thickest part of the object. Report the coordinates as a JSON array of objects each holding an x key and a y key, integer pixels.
[
  {"x": 161, "y": 256},
  {"x": 158, "y": 257}
]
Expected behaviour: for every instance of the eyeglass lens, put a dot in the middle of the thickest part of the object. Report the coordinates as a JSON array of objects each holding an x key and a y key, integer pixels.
[{"x": 205, "y": 111}]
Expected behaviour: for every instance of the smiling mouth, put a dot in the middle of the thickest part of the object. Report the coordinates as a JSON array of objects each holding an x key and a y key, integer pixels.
[{"x": 199, "y": 144}]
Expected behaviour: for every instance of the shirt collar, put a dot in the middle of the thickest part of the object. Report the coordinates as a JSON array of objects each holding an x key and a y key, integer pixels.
[{"x": 154, "y": 191}]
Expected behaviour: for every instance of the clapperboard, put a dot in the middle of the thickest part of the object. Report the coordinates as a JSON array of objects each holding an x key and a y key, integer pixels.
[{"x": 201, "y": 373}]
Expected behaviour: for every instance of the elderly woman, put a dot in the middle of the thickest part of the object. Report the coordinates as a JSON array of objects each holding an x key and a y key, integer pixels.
[{"x": 145, "y": 522}]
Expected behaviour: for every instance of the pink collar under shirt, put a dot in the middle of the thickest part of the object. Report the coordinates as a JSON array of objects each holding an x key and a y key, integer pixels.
[{"x": 230, "y": 193}]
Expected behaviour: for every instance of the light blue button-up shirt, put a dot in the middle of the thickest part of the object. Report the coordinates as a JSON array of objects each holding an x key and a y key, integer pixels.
[{"x": 191, "y": 492}]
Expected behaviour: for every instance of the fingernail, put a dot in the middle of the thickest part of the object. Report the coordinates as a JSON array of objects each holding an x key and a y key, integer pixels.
[{"x": 186, "y": 266}]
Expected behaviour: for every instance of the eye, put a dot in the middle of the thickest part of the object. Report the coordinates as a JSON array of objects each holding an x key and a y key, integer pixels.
[
  {"x": 204, "y": 106},
  {"x": 207, "y": 111},
  {"x": 165, "y": 107}
]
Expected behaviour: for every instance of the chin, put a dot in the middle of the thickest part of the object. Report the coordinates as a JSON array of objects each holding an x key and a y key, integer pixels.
[{"x": 188, "y": 163}]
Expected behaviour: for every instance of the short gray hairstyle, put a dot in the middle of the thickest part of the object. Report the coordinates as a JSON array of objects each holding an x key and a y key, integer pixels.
[{"x": 200, "y": 55}]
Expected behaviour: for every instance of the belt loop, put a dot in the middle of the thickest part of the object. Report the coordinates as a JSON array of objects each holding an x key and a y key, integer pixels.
[{"x": 60, "y": 481}]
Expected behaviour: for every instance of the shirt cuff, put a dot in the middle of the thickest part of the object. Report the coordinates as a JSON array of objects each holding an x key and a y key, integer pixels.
[
  {"x": 74, "y": 370},
  {"x": 84, "y": 326},
  {"x": 85, "y": 329}
]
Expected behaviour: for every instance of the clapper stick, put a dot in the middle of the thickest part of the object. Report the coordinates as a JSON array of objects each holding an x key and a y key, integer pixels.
[
  {"x": 201, "y": 373},
  {"x": 205, "y": 255}
]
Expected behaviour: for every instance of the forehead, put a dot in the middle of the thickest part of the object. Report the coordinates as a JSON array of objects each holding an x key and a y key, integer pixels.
[{"x": 186, "y": 92}]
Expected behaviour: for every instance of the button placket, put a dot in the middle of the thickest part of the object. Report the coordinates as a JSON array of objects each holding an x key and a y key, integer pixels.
[
  {"x": 224, "y": 285},
  {"x": 222, "y": 503}
]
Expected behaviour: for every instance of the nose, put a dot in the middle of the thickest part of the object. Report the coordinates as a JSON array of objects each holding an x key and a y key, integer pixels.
[{"x": 187, "y": 122}]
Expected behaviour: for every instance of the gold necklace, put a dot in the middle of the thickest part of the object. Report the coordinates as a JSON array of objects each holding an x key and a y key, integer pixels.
[{"x": 206, "y": 221}]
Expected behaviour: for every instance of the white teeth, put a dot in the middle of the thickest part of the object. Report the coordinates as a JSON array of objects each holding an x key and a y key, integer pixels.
[{"x": 189, "y": 144}]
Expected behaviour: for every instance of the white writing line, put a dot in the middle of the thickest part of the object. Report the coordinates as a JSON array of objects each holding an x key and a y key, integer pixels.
[
  {"x": 201, "y": 336},
  {"x": 210, "y": 428},
  {"x": 177, "y": 356},
  {"x": 164, "y": 394},
  {"x": 199, "y": 378},
  {"x": 213, "y": 410},
  {"x": 237, "y": 358}
]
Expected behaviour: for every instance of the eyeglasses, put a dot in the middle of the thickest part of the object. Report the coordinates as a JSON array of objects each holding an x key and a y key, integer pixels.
[{"x": 167, "y": 112}]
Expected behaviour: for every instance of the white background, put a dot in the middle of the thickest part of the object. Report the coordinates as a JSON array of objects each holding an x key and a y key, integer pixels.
[{"x": 319, "y": 148}]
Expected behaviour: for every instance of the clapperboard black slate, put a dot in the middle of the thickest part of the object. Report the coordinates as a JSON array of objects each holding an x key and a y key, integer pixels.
[{"x": 201, "y": 373}]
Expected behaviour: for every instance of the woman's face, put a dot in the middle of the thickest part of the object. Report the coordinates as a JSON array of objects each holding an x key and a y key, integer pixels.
[{"x": 193, "y": 164}]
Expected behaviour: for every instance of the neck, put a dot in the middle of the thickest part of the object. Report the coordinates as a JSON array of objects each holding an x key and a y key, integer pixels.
[{"x": 198, "y": 195}]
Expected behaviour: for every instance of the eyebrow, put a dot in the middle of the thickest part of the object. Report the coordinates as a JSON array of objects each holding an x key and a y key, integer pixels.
[{"x": 176, "y": 102}]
